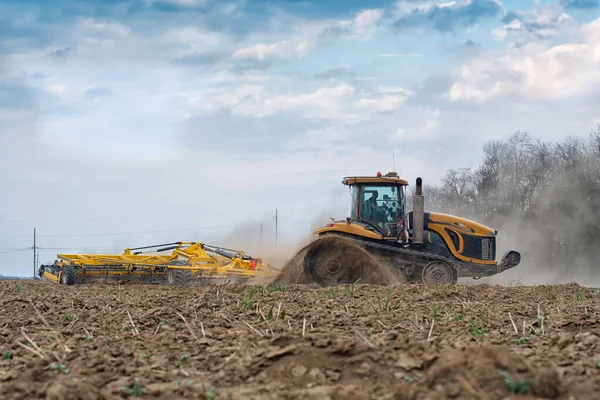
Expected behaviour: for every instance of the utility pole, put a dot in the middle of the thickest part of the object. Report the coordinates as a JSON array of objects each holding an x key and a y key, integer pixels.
[
  {"x": 261, "y": 237},
  {"x": 276, "y": 227},
  {"x": 34, "y": 253}
]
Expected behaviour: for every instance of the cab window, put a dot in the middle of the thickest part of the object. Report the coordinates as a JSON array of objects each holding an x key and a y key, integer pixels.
[{"x": 381, "y": 204}]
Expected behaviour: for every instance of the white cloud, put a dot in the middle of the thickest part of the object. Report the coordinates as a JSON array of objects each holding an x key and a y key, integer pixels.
[
  {"x": 307, "y": 36},
  {"x": 388, "y": 99},
  {"x": 540, "y": 23},
  {"x": 385, "y": 103},
  {"x": 195, "y": 38},
  {"x": 363, "y": 25},
  {"x": 533, "y": 70},
  {"x": 189, "y": 3},
  {"x": 400, "y": 55},
  {"x": 428, "y": 126},
  {"x": 341, "y": 101},
  {"x": 104, "y": 28},
  {"x": 394, "y": 90},
  {"x": 256, "y": 101},
  {"x": 283, "y": 49},
  {"x": 404, "y": 7}
]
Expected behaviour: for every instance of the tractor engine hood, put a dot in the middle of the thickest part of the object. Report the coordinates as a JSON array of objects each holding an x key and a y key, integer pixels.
[{"x": 451, "y": 221}]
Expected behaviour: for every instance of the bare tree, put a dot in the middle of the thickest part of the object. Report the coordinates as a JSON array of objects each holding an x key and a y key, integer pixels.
[{"x": 552, "y": 189}]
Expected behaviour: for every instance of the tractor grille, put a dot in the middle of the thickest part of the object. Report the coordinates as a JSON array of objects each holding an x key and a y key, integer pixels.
[
  {"x": 488, "y": 248},
  {"x": 480, "y": 248}
]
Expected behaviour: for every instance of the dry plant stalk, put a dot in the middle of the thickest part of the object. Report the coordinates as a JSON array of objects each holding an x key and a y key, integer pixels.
[
  {"x": 34, "y": 351},
  {"x": 470, "y": 388},
  {"x": 187, "y": 325},
  {"x": 225, "y": 318},
  {"x": 254, "y": 329},
  {"x": 135, "y": 331},
  {"x": 431, "y": 330},
  {"x": 363, "y": 338},
  {"x": 304, "y": 327},
  {"x": 267, "y": 322},
  {"x": 35, "y": 346},
  {"x": 56, "y": 335},
  {"x": 513, "y": 323}
]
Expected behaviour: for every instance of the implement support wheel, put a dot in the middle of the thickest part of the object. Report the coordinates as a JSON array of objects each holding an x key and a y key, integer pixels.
[
  {"x": 68, "y": 275},
  {"x": 178, "y": 277},
  {"x": 438, "y": 273}
]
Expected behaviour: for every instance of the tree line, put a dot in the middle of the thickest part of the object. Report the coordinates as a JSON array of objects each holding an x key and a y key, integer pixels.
[{"x": 550, "y": 193}]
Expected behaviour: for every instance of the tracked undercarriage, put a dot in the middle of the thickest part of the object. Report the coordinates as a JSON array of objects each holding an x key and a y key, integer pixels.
[{"x": 333, "y": 258}]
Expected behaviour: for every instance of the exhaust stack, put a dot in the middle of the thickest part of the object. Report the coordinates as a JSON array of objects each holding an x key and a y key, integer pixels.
[{"x": 418, "y": 214}]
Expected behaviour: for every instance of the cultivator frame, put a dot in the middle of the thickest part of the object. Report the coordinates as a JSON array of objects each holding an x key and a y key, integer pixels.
[{"x": 188, "y": 263}]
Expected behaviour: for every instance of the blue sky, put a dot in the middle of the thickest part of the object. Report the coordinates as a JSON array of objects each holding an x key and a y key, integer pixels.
[{"x": 127, "y": 122}]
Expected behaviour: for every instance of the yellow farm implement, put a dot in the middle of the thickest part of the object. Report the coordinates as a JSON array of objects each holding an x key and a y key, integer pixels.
[{"x": 189, "y": 262}]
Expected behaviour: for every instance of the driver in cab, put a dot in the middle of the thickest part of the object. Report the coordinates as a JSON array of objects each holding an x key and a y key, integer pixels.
[{"x": 378, "y": 213}]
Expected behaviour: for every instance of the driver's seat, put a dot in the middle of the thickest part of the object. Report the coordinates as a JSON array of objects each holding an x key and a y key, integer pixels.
[{"x": 367, "y": 212}]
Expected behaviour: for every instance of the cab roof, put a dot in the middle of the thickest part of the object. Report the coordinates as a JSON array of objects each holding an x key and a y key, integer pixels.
[{"x": 390, "y": 177}]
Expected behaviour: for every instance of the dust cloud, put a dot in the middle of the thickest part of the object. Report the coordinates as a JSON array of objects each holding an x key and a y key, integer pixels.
[{"x": 556, "y": 247}]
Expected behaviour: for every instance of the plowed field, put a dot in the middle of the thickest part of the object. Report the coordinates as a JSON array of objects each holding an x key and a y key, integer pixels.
[{"x": 278, "y": 341}]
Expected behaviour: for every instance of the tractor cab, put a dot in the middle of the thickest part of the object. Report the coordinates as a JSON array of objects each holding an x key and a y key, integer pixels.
[{"x": 379, "y": 202}]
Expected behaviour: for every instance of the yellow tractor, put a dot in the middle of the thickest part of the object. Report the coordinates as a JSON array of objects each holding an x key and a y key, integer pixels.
[{"x": 416, "y": 247}]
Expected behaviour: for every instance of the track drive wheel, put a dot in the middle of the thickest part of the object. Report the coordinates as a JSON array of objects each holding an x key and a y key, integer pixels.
[
  {"x": 179, "y": 277},
  {"x": 68, "y": 275},
  {"x": 335, "y": 260},
  {"x": 438, "y": 273}
]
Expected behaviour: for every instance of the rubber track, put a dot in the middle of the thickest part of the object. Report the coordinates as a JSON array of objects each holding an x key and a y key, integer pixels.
[{"x": 419, "y": 257}]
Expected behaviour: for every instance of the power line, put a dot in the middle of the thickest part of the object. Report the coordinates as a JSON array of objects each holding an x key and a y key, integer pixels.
[
  {"x": 258, "y": 223},
  {"x": 15, "y": 251},
  {"x": 146, "y": 218},
  {"x": 80, "y": 247},
  {"x": 130, "y": 233}
]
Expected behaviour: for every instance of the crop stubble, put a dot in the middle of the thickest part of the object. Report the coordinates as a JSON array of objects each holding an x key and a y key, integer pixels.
[{"x": 278, "y": 341}]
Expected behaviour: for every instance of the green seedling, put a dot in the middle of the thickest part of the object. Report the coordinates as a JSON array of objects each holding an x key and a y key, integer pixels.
[
  {"x": 477, "y": 332},
  {"x": 349, "y": 291},
  {"x": 579, "y": 295},
  {"x": 210, "y": 393},
  {"x": 436, "y": 308},
  {"x": 66, "y": 317},
  {"x": 183, "y": 359},
  {"x": 412, "y": 378},
  {"x": 522, "y": 340},
  {"x": 248, "y": 298},
  {"x": 60, "y": 368},
  {"x": 278, "y": 288},
  {"x": 518, "y": 387},
  {"x": 136, "y": 389}
]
